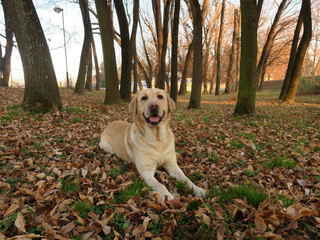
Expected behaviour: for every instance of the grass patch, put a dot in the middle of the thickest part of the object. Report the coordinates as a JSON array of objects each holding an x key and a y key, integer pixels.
[
  {"x": 183, "y": 187},
  {"x": 70, "y": 184},
  {"x": 119, "y": 223},
  {"x": 253, "y": 195},
  {"x": 74, "y": 110},
  {"x": 281, "y": 162},
  {"x": 7, "y": 223},
  {"x": 135, "y": 189}
]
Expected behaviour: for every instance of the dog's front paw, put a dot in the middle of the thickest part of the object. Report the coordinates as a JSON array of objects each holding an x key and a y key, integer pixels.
[
  {"x": 169, "y": 197},
  {"x": 199, "y": 192}
]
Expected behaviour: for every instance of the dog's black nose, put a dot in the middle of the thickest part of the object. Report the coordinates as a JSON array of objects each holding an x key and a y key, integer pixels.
[{"x": 154, "y": 107}]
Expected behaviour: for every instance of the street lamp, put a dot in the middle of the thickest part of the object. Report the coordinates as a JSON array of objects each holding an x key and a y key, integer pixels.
[{"x": 58, "y": 10}]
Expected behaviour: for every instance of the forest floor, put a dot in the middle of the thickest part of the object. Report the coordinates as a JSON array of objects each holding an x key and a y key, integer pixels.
[{"x": 261, "y": 174}]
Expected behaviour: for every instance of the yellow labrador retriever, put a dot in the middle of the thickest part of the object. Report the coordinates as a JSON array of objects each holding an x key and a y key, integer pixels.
[{"x": 148, "y": 141}]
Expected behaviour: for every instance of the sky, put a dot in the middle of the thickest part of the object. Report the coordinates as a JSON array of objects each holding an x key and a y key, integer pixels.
[{"x": 52, "y": 26}]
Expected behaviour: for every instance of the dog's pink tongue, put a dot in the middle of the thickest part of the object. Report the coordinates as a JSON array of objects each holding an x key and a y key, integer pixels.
[{"x": 154, "y": 119}]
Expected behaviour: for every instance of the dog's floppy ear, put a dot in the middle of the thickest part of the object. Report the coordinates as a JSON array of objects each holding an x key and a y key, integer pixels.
[
  {"x": 171, "y": 103},
  {"x": 133, "y": 105}
]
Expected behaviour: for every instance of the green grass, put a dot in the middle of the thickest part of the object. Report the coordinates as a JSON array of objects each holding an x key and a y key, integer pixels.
[
  {"x": 7, "y": 223},
  {"x": 70, "y": 184},
  {"x": 183, "y": 188},
  {"x": 253, "y": 195},
  {"x": 281, "y": 162},
  {"x": 156, "y": 227},
  {"x": 74, "y": 110},
  {"x": 135, "y": 189}
]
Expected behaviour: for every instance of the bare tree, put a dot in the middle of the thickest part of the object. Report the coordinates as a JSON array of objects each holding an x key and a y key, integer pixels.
[
  {"x": 5, "y": 64},
  {"x": 110, "y": 66},
  {"x": 41, "y": 92},
  {"x": 232, "y": 62},
  {"x": 302, "y": 49},
  {"x": 269, "y": 43},
  {"x": 217, "y": 91},
  {"x": 174, "y": 64},
  {"x": 80, "y": 84},
  {"x": 250, "y": 13},
  {"x": 195, "y": 97}
]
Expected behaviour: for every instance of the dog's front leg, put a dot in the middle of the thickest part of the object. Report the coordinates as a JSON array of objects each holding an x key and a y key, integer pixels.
[
  {"x": 147, "y": 174},
  {"x": 175, "y": 171}
]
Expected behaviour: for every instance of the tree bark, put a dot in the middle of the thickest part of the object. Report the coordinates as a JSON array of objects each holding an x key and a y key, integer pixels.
[
  {"x": 186, "y": 69},
  {"x": 7, "y": 56},
  {"x": 80, "y": 84},
  {"x": 96, "y": 64},
  {"x": 41, "y": 92},
  {"x": 293, "y": 53},
  {"x": 136, "y": 7},
  {"x": 217, "y": 91},
  {"x": 158, "y": 22},
  {"x": 126, "y": 57},
  {"x": 232, "y": 62},
  {"x": 88, "y": 85},
  {"x": 250, "y": 13},
  {"x": 174, "y": 56},
  {"x": 162, "y": 70},
  {"x": 302, "y": 49},
  {"x": 195, "y": 97},
  {"x": 110, "y": 67}
]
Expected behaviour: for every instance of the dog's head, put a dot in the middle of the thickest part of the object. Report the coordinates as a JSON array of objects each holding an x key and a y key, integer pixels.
[{"x": 152, "y": 106}]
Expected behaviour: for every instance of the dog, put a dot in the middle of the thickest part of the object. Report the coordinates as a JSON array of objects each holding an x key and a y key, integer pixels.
[{"x": 148, "y": 142}]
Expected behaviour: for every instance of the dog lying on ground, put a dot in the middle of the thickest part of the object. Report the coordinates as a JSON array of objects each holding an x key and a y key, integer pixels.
[{"x": 148, "y": 142}]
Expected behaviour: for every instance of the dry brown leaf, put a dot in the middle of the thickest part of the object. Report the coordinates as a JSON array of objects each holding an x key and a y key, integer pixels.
[
  {"x": 138, "y": 231},
  {"x": 13, "y": 208},
  {"x": 220, "y": 231},
  {"x": 261, "y": 226},
  {"x": 20, "y": 223},
  {"x": 67, "y": 228}
]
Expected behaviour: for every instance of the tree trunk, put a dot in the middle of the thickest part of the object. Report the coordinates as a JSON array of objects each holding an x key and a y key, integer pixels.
[
  {"x": 41, "y": 89},
  {"x": 162, "y": 70},
  {"x": 302, "y": 49},
  {"x": 263, "y": 73},
  {"x": 158, "y": 22},
  {"x": 186, "y": 69},
  {"x": 250, "y": 13},
  {"x": 270, "y": 40},
  {"x": 195, "y": 97},
  {"x": 293, "y": 53},
  {"x": 136, "y": 7},
  {"x": 7, "y": 56},
  {"x": 174, "y": 63},
  {"x": 217, "y": 91},
  {"x": 232, "y": 62},
  {"x": 88, "y": 85},
  {"x": 80, "y": 84},
  {"x": 238, "y": 54},
  {"x": 110, "y": 66},
  {"x": 126, "y": 58},
  {"x": 96, "y": 64}
]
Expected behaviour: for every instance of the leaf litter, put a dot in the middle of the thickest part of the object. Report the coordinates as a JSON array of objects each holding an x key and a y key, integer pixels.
[{"x": 56, "y": 183}]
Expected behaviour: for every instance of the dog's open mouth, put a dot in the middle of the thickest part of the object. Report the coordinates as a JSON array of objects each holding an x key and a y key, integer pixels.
[{"x": 154, "y": 119}]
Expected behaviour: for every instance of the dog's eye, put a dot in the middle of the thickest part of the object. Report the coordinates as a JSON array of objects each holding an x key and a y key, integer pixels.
[
  {"x": 144, "y": 98},
  {"x": 160, "y": 96}
]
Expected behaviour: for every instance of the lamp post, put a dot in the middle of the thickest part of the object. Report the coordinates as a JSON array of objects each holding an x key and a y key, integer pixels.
[{"x": 58, "y": 10}]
